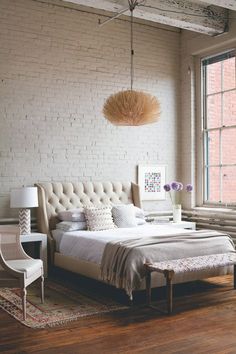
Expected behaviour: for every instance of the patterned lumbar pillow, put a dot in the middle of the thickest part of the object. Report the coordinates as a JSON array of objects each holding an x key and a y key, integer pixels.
[
  {"x": 99, "y": 218},
  {"x": 124, "y": 215}
]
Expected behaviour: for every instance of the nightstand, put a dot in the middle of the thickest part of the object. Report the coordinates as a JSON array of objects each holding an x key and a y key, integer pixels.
[
  {"x": 188, "y": 225},
  {"x": 42, "y": 240}
]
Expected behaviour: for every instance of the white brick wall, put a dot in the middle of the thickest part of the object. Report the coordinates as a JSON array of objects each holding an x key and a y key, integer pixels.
[{"x": 57, "y": 68}]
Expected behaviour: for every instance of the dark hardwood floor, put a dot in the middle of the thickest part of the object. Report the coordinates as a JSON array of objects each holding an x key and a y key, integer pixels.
[{"x": 204, "y": 321}]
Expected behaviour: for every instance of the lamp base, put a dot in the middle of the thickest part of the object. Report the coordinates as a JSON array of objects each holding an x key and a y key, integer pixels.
[{"x": 24, "y": 221}]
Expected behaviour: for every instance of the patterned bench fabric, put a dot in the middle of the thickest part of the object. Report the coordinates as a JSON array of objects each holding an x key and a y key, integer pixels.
[{"x": 193, "y": 264}]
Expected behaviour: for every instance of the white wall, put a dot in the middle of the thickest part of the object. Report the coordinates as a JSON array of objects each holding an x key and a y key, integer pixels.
[{"x": 57, "y": 68}]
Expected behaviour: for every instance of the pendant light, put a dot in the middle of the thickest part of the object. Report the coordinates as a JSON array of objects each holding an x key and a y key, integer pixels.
[{"x": 131, "y": 107}]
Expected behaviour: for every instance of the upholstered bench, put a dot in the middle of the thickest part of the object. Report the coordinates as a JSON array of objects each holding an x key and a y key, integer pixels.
[{"x": 179, "y": 266}]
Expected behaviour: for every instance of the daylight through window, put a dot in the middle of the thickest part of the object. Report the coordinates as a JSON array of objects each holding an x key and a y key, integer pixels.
[{"x": 219, "y": 128}]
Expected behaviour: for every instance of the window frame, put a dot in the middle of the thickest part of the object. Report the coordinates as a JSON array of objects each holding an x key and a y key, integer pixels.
[{"x": 201, "y": 127}]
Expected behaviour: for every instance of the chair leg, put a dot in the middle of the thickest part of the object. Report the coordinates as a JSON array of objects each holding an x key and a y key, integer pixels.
[
  {"x": 23, "y": 296},
  {"x": 42, "y": 289}
]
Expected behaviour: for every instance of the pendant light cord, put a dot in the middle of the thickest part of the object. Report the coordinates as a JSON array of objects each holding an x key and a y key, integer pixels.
[
  {"x": 132, "y": 5},
  {"x": 131, "y": 51}
]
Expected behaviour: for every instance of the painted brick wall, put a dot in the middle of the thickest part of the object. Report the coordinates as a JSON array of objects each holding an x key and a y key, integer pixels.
[{"x": 57, "y": 68}]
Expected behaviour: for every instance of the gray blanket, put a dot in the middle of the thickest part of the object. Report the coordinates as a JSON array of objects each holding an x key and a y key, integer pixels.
[{"x": 122, "y": 261}]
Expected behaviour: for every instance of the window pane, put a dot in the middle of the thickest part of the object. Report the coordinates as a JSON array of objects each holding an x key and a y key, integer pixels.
[
  {"x": 229, "y": 73},
  {"x": 213, "y": 78},
  {"x": 214, "y": 111},
  {"x": 219, "y": 114},
  {"x": 228, "y": 138},
  {"x": 229, "y": 184},
  {"x": 229, "y": 113},
  {"x": 213, "y": 184},
  {"x": 213, "y": 157}
]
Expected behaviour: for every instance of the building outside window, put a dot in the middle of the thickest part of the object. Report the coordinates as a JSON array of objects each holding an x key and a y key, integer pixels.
[{"x": 219, "y": 128}]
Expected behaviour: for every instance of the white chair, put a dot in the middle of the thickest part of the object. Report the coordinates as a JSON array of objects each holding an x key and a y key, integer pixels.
[{"x": 17, "y": 269}]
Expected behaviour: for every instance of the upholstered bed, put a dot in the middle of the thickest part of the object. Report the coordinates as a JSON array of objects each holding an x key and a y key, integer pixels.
[{"x": 56, "y": 197}]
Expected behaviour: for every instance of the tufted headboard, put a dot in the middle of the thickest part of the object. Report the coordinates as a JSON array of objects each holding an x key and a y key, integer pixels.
[{"x": 57, "y": 196}]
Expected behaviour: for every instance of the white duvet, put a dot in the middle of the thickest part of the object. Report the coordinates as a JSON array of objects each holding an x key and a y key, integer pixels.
[{"x": 89, "y": 245}]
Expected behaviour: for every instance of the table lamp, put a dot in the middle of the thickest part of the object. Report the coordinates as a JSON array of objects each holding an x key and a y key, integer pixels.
[{"x": 24, "y": 198}]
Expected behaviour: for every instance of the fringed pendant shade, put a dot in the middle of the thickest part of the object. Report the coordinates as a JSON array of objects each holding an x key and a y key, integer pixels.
[{"x": 131, "y": 107}]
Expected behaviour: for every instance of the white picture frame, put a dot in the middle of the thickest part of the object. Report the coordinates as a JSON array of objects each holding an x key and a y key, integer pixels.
[{"x": 151, "y": 179}]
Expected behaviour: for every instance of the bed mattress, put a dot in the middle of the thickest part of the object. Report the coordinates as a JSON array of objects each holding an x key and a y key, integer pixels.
[{"x": 89, "y": 245}]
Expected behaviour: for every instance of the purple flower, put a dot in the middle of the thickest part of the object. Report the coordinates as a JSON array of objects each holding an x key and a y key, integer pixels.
[
  {"x": 167, "y": 187},
  {"x": 176, "y": 186},
  {"x": 189, "y": 188}
]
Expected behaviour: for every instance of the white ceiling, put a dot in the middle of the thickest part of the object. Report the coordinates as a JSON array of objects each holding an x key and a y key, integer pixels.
[{"x": 203, "y": 16}]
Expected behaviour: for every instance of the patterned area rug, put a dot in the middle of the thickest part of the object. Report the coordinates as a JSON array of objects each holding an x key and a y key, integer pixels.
[{"x": 61, "y": 305}]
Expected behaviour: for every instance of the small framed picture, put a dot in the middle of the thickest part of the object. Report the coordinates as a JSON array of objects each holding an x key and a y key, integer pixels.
[{"x": 151, "y": 180}]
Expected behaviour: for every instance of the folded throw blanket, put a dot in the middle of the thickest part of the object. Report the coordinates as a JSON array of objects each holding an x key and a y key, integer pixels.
[{"x": 123, "y": 261}]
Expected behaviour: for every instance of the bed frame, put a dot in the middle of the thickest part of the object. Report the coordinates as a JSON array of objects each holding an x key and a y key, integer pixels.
[{"x": 57, "y": 196}]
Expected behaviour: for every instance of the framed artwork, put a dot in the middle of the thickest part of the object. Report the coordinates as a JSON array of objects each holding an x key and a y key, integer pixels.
[{"x": 151, "y": 180}]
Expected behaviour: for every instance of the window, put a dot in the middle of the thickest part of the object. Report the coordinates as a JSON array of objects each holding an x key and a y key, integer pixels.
[{"x": 219, "y": 128}]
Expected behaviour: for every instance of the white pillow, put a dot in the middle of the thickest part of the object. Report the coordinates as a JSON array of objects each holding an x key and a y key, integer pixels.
[
  {"x": 139, "y": 213},
  {"x": 99, "y": 218},
  {"x": 72, "y": 215},
  {"x": 72, "y": 225},
  {"x": 124, "y": 215},
  {"x": 140, "y": 221}
]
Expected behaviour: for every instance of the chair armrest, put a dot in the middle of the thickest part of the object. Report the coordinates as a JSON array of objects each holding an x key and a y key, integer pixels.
[
  {"x": 22, "y": 254},
  {"x": 9, "y": 269}
]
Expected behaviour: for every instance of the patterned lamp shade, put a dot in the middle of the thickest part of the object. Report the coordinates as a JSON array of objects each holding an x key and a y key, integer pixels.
[{"x": 24, "y": 198}]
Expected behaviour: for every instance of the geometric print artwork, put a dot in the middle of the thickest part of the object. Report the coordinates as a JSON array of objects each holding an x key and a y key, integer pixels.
[
  {"x": 152, "y": 182},
  {"x": 151, "y": 179}
]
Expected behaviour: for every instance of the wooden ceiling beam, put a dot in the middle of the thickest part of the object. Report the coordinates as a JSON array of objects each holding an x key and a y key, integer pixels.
[
  {"x": 200, "y": 18},
  {"x": 227, "y": 4}
]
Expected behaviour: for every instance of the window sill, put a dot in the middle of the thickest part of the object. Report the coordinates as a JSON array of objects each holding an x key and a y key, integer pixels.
[{"x": 215, "y": 210}]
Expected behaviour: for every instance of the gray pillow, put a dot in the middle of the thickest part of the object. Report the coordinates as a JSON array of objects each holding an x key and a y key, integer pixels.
[
  {"x": 72, "y": 215},
  {"x": 124, "y": 215},
  {"x": 72, "y": 225}
]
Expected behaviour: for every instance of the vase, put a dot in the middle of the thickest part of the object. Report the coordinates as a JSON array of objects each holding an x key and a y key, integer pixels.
[{"x": 177, "y": 213}]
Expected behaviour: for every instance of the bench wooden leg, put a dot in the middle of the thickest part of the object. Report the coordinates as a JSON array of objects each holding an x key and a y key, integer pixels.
[
  {"x": 234, "y": 276},
  {"x": 148, "y": 287},
  {"x": 169, "y": 288}
]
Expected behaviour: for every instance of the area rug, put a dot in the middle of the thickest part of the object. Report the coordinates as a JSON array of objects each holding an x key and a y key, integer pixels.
[{"x": 61, "y": 305}]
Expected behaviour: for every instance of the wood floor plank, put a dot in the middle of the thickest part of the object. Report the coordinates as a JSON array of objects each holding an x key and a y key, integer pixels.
[{"x": 203, "y": 322}]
